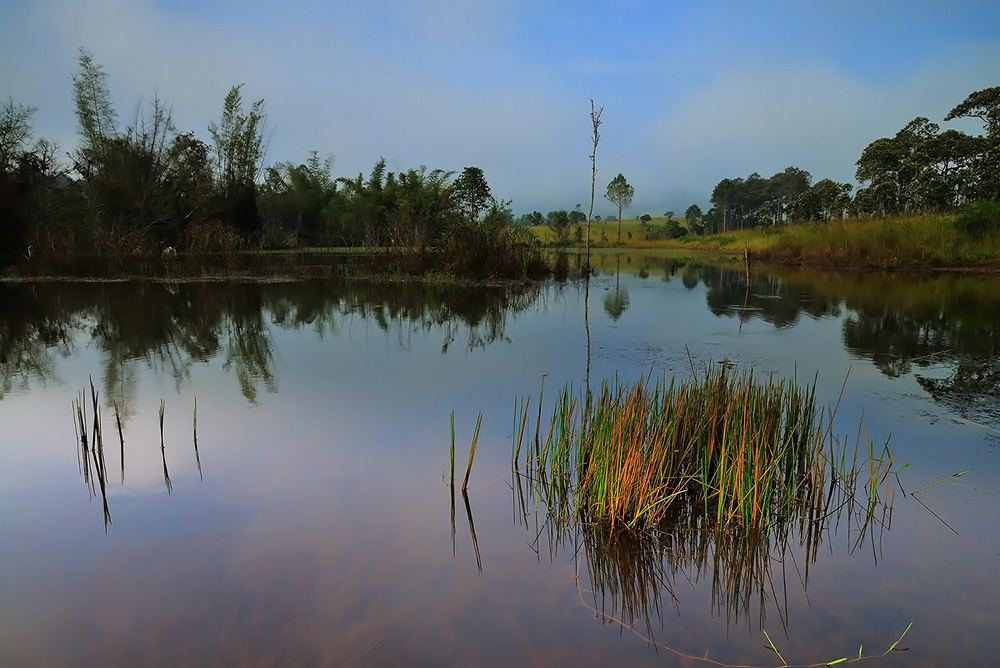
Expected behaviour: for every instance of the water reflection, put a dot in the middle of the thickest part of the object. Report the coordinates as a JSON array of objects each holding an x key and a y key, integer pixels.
[
  {"x": 321, "y": 503},
  {"x": 943, "y": 330},
  {"x": 173, "y": 328},
  {"x": 616, "y": 301},
  {"x": 629, "y": 578}
]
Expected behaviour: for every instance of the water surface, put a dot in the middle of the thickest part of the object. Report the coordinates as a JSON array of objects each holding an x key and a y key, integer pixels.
[{"x": 315, "y": 525}]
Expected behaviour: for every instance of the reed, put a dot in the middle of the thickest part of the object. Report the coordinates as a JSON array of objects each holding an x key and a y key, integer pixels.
[
  {"x": 745, "y": 453},
  {"x": 194, "y": 429},
  {"x": 121, "y": 438},
  {"x": 451, "y": 450},
  {"x": 163, "y": 408},
  {"x": 90, "y": 457},
  {"x": 472, "y": 452},
  {"x": 163, "y": 451}
]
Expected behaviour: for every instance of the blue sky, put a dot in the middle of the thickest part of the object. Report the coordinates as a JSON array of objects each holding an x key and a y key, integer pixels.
[{"x": 693, "y": 92}]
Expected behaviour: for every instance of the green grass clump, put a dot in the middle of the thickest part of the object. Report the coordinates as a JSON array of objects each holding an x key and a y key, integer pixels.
[{"x": 742, "y": 453}]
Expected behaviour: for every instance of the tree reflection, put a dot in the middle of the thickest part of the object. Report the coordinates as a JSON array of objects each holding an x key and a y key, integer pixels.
[
  {"x": 944, "y": 330},
  {"x": 170, "y": 328},
  {"x": 616, "y": 301}
]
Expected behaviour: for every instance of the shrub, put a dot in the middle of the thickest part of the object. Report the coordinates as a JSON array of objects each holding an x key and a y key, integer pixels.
[
  {"x": 980, "y": 217},
  {"x": 211, "y": 236},
  {"x": 491, "y": 248}
]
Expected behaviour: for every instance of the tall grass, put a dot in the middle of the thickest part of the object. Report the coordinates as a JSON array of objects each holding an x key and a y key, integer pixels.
[
  {"x": 895, "y": 242},
  {"x": 746, "y": 454}
]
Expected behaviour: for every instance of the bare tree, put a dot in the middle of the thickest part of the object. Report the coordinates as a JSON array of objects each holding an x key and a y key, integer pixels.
[{"x": 595, "y": 121}]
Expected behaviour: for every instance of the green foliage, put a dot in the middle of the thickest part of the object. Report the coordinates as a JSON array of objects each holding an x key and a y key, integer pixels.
[
  {"x": 533, "y": 219},
  {"x": 95, "y": 114},
  {"x": 982, "y": 104},
  {"x": 472, "y": 192},
  {"x": 15, "y": 131},
  {"x": 124, "y": 171},
  {"x": 753, "y": 201},
  {"x": 979, "y": 218},
  {"x": 238, "y": 143},
  {"x": 20, "y": 174},
  {"x": 491, "y": 248},
  {"x": 559, "y": 223},
  {"x": 645, "y": 218},
  {"x": 620, "y": 193},
  {"x": 825, "y": 200}
]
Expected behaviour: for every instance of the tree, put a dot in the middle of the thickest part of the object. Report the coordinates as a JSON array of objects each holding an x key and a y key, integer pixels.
[
  {"x": 576, "y": 216},
  {"x": 15, "y": 131},
  {"x": 783, "y": 188},
  {"x": 95, "y": 115},
  {"x": 620, "y": 193},
  {"x": 472, "y": 192},
  {"x": 674, "y": 230},
  {"x": 558, "y": 222},
  {"x": 692, "y": 213},
  {"x": 982, "y": 104},
  {"x": 669, "y": 215},
  {"x": 123, "y": 171},
  {"x": 189, "y": 176},
  {"x": 645, "y": 218},
  {"x": 239, "y": 148},
  {"x": 825, "y": 200},
  {"x": 21, "y": 172},
  {"x": 984, "y": 168}
]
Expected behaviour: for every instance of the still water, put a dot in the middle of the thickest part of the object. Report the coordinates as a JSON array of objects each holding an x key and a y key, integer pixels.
[{"x": 314, "y": 525}]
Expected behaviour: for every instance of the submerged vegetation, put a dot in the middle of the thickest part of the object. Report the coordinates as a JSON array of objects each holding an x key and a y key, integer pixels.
[{"x": 747, "y": 454}]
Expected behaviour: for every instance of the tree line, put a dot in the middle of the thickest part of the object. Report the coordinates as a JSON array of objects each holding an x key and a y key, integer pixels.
[
  {"x": 920, "y": 168},
  {"x": 142, "y": 185}
]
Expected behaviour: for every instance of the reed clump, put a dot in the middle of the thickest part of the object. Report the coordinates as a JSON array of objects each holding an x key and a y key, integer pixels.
[{"x": 742, "y": 452}]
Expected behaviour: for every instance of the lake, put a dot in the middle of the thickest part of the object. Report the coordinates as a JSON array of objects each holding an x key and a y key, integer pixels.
[{"x": 314, "y": 523}]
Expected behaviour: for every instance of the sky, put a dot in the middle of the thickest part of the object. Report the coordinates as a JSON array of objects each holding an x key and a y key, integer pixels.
[{"x": 693, "y": 92}]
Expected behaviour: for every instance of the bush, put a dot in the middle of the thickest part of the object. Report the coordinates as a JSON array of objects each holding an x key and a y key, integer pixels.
[
  {"x": 979, "y": 218},
  {"x": 211, "y": 236},
  {"x": 491, "y": 248}
]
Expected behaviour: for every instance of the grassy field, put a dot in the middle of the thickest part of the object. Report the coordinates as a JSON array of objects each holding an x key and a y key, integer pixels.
[
  {"x": 926, "y": 241},
  {"x": 604, "y": 233}
]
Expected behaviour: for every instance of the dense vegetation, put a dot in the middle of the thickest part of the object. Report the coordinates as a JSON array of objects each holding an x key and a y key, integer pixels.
[
  {"x": 919, "y": 169},
  {"x": 140, "y": 187}
]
